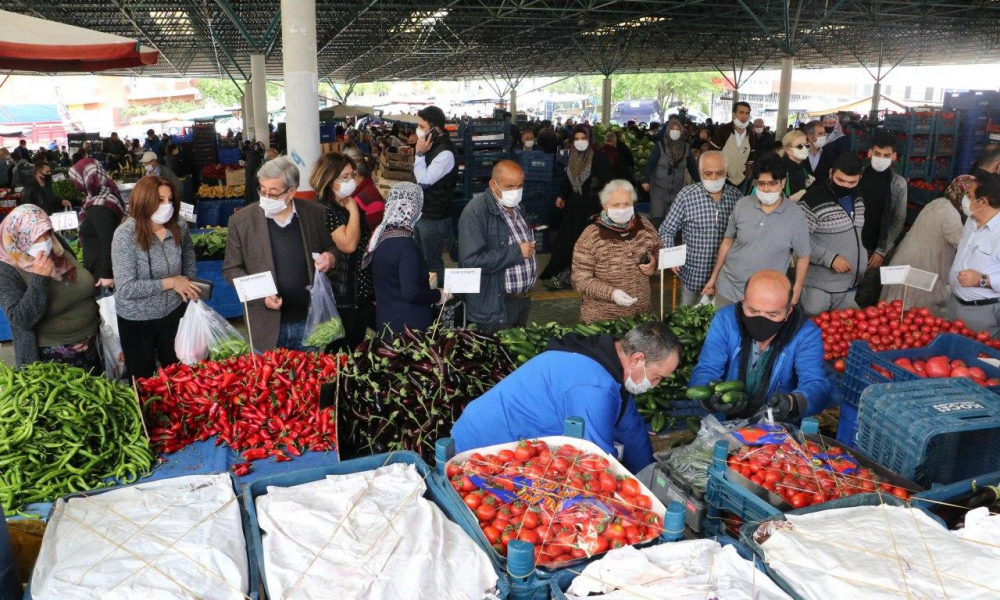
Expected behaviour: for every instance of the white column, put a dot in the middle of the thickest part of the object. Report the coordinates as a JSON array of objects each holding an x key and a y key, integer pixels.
[
  {"x": 298, "y": 46},
  {"x": 258, "y": 97},
  {"x": 249, "y": 127},
  {"x": 784, "y": 94},
  {"x": 513, "y": 105},
  {"x": 606, "y": 102},
  {"x": 876, "y": 96}
]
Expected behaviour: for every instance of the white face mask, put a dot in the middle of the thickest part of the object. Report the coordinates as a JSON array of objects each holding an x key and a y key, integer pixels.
[
  {"x": 713, "y": 185},
  {"x": 758, "y": 130},
  {"x": 39, "y": 248},
  {"x": 346, "y": 188},
  {"x": 528, "y": 145},
  {"x": 621, "y": 215},
  {"x": 149, "y": 168},
  {"x": 880, "y": 163},
  {"x": 741, "y": 124},
  {"x": 270, "y": 206},
  {"x": 820, "y": 141},
  {"x": 581, "y": 145},
  {"x": 675, "y": 135},
  {"x": 639, "y": 388},
  {"x": 967, "y": 206},
  {"x": 421, "y": 134},
  {"x": 800, "y": 153},
  {"x": 162, "y": 214},
  {"x": 510, "y": 198},
  {"x": 768, "y": 198}
]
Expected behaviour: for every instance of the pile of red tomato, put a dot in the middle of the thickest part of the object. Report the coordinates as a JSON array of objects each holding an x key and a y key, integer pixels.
[
  {"x": 886, "y": 327},
  {"x": 560, "y": 535},
  {"x": 806, "y": 474},
  {"x": 942, "y": 366}
]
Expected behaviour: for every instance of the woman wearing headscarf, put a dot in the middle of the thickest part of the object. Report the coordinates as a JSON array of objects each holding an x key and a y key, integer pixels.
[
  {"x": 401, "y": 276},
  {"x": 102, "y": 212},
  {"x": 664, "y": 176},
  {"x": 587, "y": 173},
  {"x": 47, "y": 296},
  {"x": 836, "y": 141},
  {"x": 930, "y": 245}
]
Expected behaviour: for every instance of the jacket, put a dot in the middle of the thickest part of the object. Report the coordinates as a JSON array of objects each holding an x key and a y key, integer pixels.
[
  {"x": 831, "y": 152},
  {"x": 484, "y": 242},
  {"x": 248, "y": 251},
  {"x": 893, "y": 215},
  {"x": 797, "y": 368},
  {"x": 402, "y": 289},
  {"x": 833, "y": 233},
  {"x": 724, "y": 140},
  {"x": 577, "y": 376},
  {"x": 41, "y": 196},
  {"x": 139, "y": 295}
]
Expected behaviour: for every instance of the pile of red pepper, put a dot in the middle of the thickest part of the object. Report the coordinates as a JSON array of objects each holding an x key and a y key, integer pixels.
[
  {"x": 217, "y": 171},
  {"x": 261, "y": 406}
]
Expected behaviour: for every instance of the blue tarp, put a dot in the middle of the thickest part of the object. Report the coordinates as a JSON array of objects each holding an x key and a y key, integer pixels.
[{"x": 29, "y": 113}]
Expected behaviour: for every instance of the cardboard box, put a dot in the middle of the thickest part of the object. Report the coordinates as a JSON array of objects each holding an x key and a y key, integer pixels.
[
  {"x": 327, "y": 148},
  {"x": 238, "y": 177}
]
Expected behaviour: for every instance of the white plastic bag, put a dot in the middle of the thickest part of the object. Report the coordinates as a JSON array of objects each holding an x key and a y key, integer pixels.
[
  {"x": 323, "y": 324},
  {"x": 203, "y": 333},
  {"x": 111, "y": 345}
]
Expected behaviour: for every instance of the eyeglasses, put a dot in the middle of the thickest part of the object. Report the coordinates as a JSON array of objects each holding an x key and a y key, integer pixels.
[
  {"x": 264, "y": 194},
  {"x": 345, "y": 178},
  {"x": 772, "y": 184},
  {"x": 801, "y": 146}
]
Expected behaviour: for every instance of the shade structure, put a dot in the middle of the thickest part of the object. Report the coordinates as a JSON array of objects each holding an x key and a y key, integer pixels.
[
  {"x": 35, "y": 45},
  {"x": 400, "y": 118},
  {"x": 344, "y": 110}
]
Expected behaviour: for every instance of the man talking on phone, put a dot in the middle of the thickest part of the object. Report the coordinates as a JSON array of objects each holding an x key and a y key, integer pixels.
[{"x": 436, "y": 171}]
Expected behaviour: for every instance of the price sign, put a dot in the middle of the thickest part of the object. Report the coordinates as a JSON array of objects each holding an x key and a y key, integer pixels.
[
  {"x": 64, "y": 221},
  {"x": 462, "y": 281},
  {"x": 672, "y": 257},
  {"x": 253, "y": 287},
  {"x": 187, "y": 212},
  {"x": 922, "y": 280},
  {"x": 59, "y": 177},
  {"x": 894, "y": 275}
]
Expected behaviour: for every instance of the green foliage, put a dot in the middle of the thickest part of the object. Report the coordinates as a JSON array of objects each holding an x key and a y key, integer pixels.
[
  {"x": 691, "y": 89},
  {"x": 221, "y": 91}
]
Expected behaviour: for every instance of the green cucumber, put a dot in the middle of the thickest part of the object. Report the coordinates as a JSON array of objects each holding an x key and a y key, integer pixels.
[
  {"x": 700, "y": 393},
  {"x": 734, "y": 397},
  {"x": 730, "y": 386}
]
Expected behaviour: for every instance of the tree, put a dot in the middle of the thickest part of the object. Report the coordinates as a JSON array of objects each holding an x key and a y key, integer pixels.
[
  {"x": 221, "y": 91},
  {"x": 589, "y": 85},
  {"x": 668, "y": 89}
]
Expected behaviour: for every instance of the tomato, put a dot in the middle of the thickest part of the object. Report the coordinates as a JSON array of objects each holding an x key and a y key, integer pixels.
[
  {"x": 840, "y": 365},
  {"x": 486, "y": 511},
  {"x": 900, "y": 493},
  {"x": 615, "y": 532},
  {"x": 492, "y": 534},
  {"x": 800, "y": 500},
  {"x": 473, "y": 501},
  {"x": 528, "y": 535},
  {"x": 523, "y": 453},
  {"x": 938, "y": 367},
  {"x": 560, "y": 464},
  {"x": 530, "y": 520},
  {"x": 608, "y": 482},
  {"x": 630, "y": 487},
  {"x": 957, "y": 363},
  {"x": 643, "y": 501},
  {"x": 959, "y": 372}
]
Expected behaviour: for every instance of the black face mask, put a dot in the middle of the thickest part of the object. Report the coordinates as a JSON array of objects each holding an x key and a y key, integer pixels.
[
  {"x": 47, "y": 178},
  {"x": 828, "y": 129},
  {"x": 760, "y": 328},
  {"x": 841, "y": 191}
]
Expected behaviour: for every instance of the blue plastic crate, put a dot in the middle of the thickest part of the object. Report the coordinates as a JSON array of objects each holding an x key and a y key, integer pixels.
[
  {"x": 480, "y": 164},
  {"x": 941, "y": 168},
  {"x": 917, "y": 145},
  {"x": 327, "y": 133},
  {"x": 945, "y": 123},
  {"x": 910, "y": 123},
  {"x": 473, "y": 145},
  {"x": 537, "y": 166},
  {"x": 5, "y": 335},
  {"x": 847, "y": 427},
  {"x": 950, "y": 494},
  {"x": 937, "y": 431},
  {"x": 229, "y": 156},
  {"x": 913, "y": 166},
  {"x": 915, "y": 195},
  {"x": 944, "y": 145},
  {"x": 225, "y": 300},
  {"x": 972, "y": 100},
  {"x": 861, "y": 358},
  {"x": 483, "y": 126}
]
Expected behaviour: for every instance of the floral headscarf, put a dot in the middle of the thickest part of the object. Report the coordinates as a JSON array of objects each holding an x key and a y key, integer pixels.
[
  {"x": 402, "y": 211},
  {"x": 19, "y": 230},
  {"x": 958, "y": 188},
  {"x": 838, "y": 131},
  {"x": 90, "y": 178}
]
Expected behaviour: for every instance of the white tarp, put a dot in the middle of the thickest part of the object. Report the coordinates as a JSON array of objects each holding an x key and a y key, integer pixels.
[
  {"x": 173, "y": 539},
  {"x": 691, "y": 570},
  {"x": 879, "y": 552},
  {"x": 367, "y": 535}
]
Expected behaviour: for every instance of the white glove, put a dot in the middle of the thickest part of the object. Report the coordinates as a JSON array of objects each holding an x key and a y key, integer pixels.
[
  {"x": 797, "y": 196},
  {"x": 809, "y": 180},
  {"x": 622, "y": 299},
  {"x": 445, "y": 296}
]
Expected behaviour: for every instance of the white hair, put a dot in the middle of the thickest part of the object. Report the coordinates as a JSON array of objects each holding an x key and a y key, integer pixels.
[
  {"x": 701, "y": 159},
  {"x": 617, "y": 185},
  {"x": 280, "y": 168}
]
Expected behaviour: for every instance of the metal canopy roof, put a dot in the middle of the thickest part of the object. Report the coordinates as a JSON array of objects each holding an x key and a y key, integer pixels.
[{"x": 381, "y": 40}]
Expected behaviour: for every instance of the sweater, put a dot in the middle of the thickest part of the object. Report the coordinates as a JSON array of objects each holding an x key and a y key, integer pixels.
[
  {"x": 833, "y": 233},
  {"x": 139, "y": 293},
  {"x": 604, "y": 262}
]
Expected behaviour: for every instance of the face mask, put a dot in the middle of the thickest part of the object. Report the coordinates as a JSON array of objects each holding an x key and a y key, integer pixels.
[
  {"x": 880, "y": 163},
  {"x": 510, "y": 198},
  {"x": 528, "y": 145},
  {"x": 639, "y": 388},
  {"x": 967, "y": 206},
  {"x": 346, "y": 188},
  {"x": 621, "y": 215},
  {"x": 800, "y": 153},
  {"x": 758, "y": 130},
  {"x": 47, "y": 178},
  {"x": 162, "y": 214},
  {"x": 828, "y": 129},
  {"x": 270, "y": 206},
  {"x": 713, "y": 185},
  {"x": 421, "y": 134},
  {"x": 759, "y": 328},
  {"x": 820, "y": 141},
  {"x": 39, "y": 248},
  {"x": 675, "y": 135},
  {"x": 149, "y": 168},
  {"x": 841, "y": 191},
  {"x": 741, "y": 124},
  {"x": 581, "y": 145},
  {"x": 768, "y": 198}
]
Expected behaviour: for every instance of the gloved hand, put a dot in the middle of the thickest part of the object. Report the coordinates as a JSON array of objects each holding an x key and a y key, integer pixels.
[
  {"x": 622, "y": 299},
  {"x": 785, "y": 407},
  {"x": 715, "y": 405}
]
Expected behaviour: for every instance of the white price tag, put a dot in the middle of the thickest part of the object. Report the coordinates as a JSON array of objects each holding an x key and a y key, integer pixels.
[
  {"x": 66, "y": 220},
  {"x": 922, "y": 280},
  {"x": 462, "y": 281},
  {"x": 187, "y": 212},
  {"x": 253, "y": 287},
  {"x": 894, "y": 275},
  {"x": 59, "y": 177},
  {"x": 672, "y": 257}
]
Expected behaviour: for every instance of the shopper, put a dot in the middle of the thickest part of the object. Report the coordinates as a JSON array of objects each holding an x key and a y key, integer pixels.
[
  {"x": 436, "y": 171},
  {"x": 736, "y": 140},
  {"x": 152, "y": 144},
  {"x": 615, "y": 257},
  {"x": 366, "y": 194},
  {"x": 22, "y": 152},
  {"x": 989, "y": 160},
  {"x": 819, "y": 161},
  {"x": 930, "y": 246},
  {"x": 279, "y": 234},
  {"x": 6, "y": 168},
  {"x": 405, "y": 298},
  {"x": 116, "y": 151},
  {"x": 765, "y": 231},
  {"x": 102, "y": 212},
  {"x": 701, "y": 215},
  {"x": 153, "y": 261},
  {"x": 592, "y": 377},
  {"x": 38, "y": 191},
  {"x": 664, "y": 176},
  {"x": 836, "y": 215},
  {"x": 335, "y": 179},
  {"x": 152, "y": 166},
  {"x": 837, "y": 142},
  {"x": 794, "y": 151},
  {"x": 975, "y": 274},
  {"x": 586, "y": 175},
  {"x": 619, "y": 169},
  {"x": 770, "y": 345},
  {"x": 528, "y": 140},
  {"x": 46, "y": 295}
]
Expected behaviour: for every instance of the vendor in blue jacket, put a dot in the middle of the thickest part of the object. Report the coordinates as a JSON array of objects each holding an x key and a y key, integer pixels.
[
  {"x": 769, "y": 344},
  {"x": 592, "y": 377}
]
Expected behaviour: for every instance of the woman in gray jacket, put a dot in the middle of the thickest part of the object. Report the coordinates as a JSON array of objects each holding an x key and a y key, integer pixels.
[{"x": 153, "y": 260}]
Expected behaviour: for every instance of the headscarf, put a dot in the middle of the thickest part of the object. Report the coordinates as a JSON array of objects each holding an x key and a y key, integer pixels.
[
  {"x": 958, "y": 188},
  {"x": 578, "y": 169},
  {"x": 91, "y": 179},
  {"x": 676, "y": 147},
  {"x": 402, "y": 211},
  {"x": 19, "y": 230},
  {"x": 838, "y": 131}
]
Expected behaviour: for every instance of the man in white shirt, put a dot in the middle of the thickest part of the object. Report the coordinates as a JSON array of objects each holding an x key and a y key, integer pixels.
[
  {"x": 735, "y": 140},
  {"x": 436, "y": 171},
  {"x": 975, "y": 274}
]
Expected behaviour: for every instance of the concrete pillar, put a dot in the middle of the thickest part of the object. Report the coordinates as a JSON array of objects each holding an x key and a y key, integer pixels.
[
  {"x": 513, "y": 105},
  {"x": 876, "y": 96},
  {"x": 298, "y": 47},
  {"x": 249, "y": 126},
  {"x": 784, "y": 94},
  {"x": 736, "y": 96},
  {"x": 606, "y": 102},
  {"x": 258, "y": 97}
]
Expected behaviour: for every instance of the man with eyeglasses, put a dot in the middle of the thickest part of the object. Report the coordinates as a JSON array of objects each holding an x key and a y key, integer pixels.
[
  {"x": 764, "y": 230},
  {"x": 770, "y": 345},
  {"x": 288, "y": 238},
  {"x": 819, "y": 160}
]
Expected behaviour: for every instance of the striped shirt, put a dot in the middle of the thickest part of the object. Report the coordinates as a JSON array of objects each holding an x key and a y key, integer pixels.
[{"x": 519, "y": 279}]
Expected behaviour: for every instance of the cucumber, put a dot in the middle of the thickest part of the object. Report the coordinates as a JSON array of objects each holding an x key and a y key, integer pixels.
[
  {"x": 730, "y": 386},
  {"x": 734, "y": 397},
  {"x": 700, "y": 393},
  {"x": 714, "y": 383}
]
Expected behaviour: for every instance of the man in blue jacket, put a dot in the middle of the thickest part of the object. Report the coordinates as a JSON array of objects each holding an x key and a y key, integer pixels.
[
  {"x": 769, "y": 344},
  {"x": 592, "y": 377}
]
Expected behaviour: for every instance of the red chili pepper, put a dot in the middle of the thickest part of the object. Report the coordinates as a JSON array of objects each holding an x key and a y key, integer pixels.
[{"x": 254, "y": 454}]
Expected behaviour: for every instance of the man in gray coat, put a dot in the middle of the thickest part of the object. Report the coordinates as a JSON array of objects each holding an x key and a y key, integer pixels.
[{"x": 493, "y": 236}]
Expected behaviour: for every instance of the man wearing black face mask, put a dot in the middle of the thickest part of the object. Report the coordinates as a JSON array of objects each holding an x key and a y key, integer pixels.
[
  {"x": 772, "y": 347},
  {"x": 39, "y": 192}
]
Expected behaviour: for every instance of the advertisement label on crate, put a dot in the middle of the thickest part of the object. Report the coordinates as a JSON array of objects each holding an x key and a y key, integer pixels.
[{"x": 956, "y": 406}]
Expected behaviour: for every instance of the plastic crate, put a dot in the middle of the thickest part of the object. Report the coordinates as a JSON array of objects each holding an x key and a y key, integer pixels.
[
  {"x": 938, "y": 431},
  {"x": 944, "y": 145},
  {"x": 669, "y": 488},
  {"x": 543, "y": 241},
  {"x": 483, "y": 126},
  {"x": 478, "y": 144},
  {"x": 974, "y": 99},
  {"x": 918, "y": 195},
  {"x": 537, "y": 166},
  {"x": 950, "y": 494},
  {"x": 918, "y": 145},
  {"x": 225, "y": 300},
  {"x": 946, "y": 123},
  {"x": 914, "y": 166},
  {"x": 910, "y": 123},
  {"x": 480, "y": 164},
  {"x": 861, "y": 358},
  {"x": 941, "y": 168},
  {"x": 847, "y": 426},
  {"x": 230, "y": 156},
  {"x": 327, "y": 133}
]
